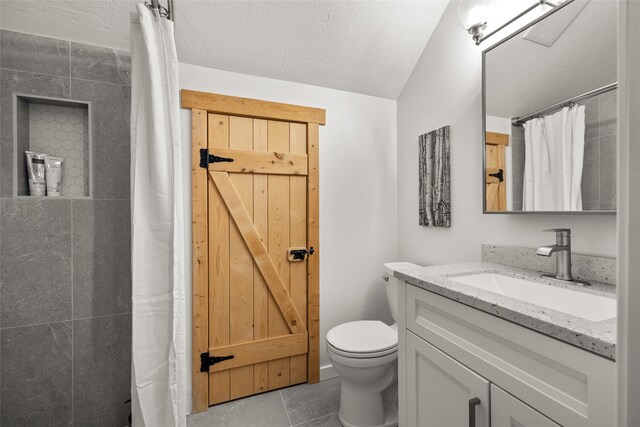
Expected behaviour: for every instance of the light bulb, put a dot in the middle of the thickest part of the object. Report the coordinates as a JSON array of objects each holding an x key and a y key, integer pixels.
[
  {"x": 472, "y": 12},
  {"x": 473, "y": 16}
]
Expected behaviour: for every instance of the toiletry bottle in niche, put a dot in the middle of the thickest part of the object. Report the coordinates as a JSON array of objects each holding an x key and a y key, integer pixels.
[
  {"x": 36, "y": 173},
  {"x": 53, "y": 175}
]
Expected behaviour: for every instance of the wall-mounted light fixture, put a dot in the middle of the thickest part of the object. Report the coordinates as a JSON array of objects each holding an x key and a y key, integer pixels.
[{"x": 474, "y": 16}]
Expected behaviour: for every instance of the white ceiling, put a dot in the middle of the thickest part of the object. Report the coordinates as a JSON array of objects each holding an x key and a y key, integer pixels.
[
  {"x": 523, "y": 77},
  {"x": 369, "y": 47}
]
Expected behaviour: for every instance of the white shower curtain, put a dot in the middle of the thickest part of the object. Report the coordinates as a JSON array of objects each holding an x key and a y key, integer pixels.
[
  {"x": 158, "y": 333},
  {"x": 554, "y": 154}
]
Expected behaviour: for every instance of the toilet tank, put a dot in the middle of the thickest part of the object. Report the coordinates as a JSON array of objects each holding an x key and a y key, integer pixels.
[{"x": 391, "y": 285}]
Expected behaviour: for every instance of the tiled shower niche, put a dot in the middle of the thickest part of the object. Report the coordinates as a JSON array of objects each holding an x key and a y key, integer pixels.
[{"x": 59, "y": 128}]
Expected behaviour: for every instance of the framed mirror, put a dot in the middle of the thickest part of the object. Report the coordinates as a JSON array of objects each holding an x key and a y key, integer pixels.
[{"x": 550, "y": 113}]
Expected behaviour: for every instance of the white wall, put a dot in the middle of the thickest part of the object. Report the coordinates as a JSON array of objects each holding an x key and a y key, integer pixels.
[
  {"x": 445, "y": 89},
  {"x": 357, "y": 189},
  {"x": 628, "y": 348},
  {"x": 498, "y": 124}
]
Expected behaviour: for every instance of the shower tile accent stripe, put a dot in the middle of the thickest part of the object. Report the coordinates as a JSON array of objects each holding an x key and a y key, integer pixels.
[{"x": 65, "y": 274}]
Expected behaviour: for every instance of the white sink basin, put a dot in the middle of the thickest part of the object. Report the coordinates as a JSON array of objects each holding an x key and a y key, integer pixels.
[{"x": 580, "y": 304}]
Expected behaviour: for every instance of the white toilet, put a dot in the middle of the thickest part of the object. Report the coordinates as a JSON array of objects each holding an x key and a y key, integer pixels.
[{"x": 365, "y": 354}]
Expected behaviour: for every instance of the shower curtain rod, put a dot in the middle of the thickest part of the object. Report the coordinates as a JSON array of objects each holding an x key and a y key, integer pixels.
[
  {"x": 519, "y": 121},
  {"x": 166, "y": 12}
]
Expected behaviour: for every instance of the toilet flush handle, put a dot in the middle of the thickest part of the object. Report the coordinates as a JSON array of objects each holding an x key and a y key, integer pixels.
[{"x": 385, "y": 278}]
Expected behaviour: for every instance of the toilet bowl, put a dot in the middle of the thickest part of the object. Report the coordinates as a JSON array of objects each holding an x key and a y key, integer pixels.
[{"x": 365, "y": 353}]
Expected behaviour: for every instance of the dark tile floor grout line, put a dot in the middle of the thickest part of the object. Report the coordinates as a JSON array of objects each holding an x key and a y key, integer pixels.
[
  {"x": 305, "y": 403},
  {"x": 315, "y": 419},
  {"x": 284, "y": 405}
]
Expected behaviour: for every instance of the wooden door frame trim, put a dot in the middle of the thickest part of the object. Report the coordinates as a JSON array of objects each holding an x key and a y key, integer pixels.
[
  {"x": 313, "y": 263},
  {"x": 201, "y": 104},
  {"x": 496, "y": 138},
  {"x": 200, "y": 261},
  {"x": 247, "y": 107}
]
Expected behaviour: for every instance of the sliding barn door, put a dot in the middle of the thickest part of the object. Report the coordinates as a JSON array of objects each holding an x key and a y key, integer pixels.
[{"x": 261, "y": 203}]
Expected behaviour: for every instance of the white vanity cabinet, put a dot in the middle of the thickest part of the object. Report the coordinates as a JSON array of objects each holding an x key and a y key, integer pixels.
[
  {"x": 443, "y": 392},
  {"x": 507, "y": 411},
  {"x": 450, "y": 354}
]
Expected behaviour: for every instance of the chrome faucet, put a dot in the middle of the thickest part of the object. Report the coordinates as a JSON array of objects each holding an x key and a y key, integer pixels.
[{"x": 562, "y": 249}]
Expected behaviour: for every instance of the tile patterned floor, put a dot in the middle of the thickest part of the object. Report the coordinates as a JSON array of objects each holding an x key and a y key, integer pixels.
[{"x": 306, "y": 405}]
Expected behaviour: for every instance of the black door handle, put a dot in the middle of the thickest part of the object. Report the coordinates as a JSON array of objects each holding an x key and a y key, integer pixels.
[{"x": 472, "y": 411}]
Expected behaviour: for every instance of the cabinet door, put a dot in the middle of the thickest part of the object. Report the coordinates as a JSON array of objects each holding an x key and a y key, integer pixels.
[
  {"x": 440, "y": 391},
  {"x": 507, "y": 411}
]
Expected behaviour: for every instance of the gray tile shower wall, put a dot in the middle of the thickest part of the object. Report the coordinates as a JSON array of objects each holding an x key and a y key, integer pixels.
[
  {"x": 35, "y": 271},
  {"x": 517, "y": 161},
  {"x": 36, "y": 375},
  {"x": 65, "y": 273},
  {"x": 16, "y": 81}
]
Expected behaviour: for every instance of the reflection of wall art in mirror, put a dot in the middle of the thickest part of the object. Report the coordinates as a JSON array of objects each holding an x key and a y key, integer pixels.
[{"x": 434, "y": 181}]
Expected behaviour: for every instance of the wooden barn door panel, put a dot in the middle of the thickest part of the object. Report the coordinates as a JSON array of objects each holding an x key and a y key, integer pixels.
[
  {"x": 259, "y": 297},
  {"x": 254, "y": 197},
  {"x": 219, "y": 263},
  {"x": 298, "y": 238}
]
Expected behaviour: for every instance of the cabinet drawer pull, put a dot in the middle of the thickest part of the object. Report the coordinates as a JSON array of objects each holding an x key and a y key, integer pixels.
[{"x": 472, "y": 411}]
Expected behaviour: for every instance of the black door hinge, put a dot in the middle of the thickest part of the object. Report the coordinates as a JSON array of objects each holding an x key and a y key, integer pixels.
[
  {"x": 206, "y": 158},
  {"x": 206, "y": 361},
  {"x": 499, "y": 175}
]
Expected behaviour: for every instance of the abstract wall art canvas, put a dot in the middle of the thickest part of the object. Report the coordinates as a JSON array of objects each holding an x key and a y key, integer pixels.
[{"x": 433, "y": 180}]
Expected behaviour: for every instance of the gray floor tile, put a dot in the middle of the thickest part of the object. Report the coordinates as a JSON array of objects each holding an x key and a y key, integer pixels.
[
  {"x": 264, "y": 410},
  {"x": 35, "y": 366},
  {"x": 311, "y": 401},
  {"x": 101, "y": 257},
  {"x": 36, "y": 261},
  {"x": 101, "y": 370},
  {"x": 326, "y": 421},
  {"x": 26, "y": 52},
  {"x": 23, "y": 83},
  {"x": 100, "y": 64},
  {"x": 111, "y": 145}
]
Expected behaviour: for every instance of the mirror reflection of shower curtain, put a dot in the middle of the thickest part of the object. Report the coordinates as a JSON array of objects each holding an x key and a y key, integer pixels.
[
  {"x": 157, "y": 251},
  {"x": 554, "y": 154}
]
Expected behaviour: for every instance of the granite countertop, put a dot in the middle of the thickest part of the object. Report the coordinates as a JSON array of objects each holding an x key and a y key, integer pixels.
[{"x": 596, "y": 337}]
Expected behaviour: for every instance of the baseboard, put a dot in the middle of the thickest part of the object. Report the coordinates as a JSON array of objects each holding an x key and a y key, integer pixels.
[{"x": 327, "y": 372}]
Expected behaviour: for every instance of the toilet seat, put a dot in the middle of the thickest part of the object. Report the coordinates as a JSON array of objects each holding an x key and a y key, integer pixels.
[
  {"x": 363, "y": 355},
  {"x": 363, "y": 339}
]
